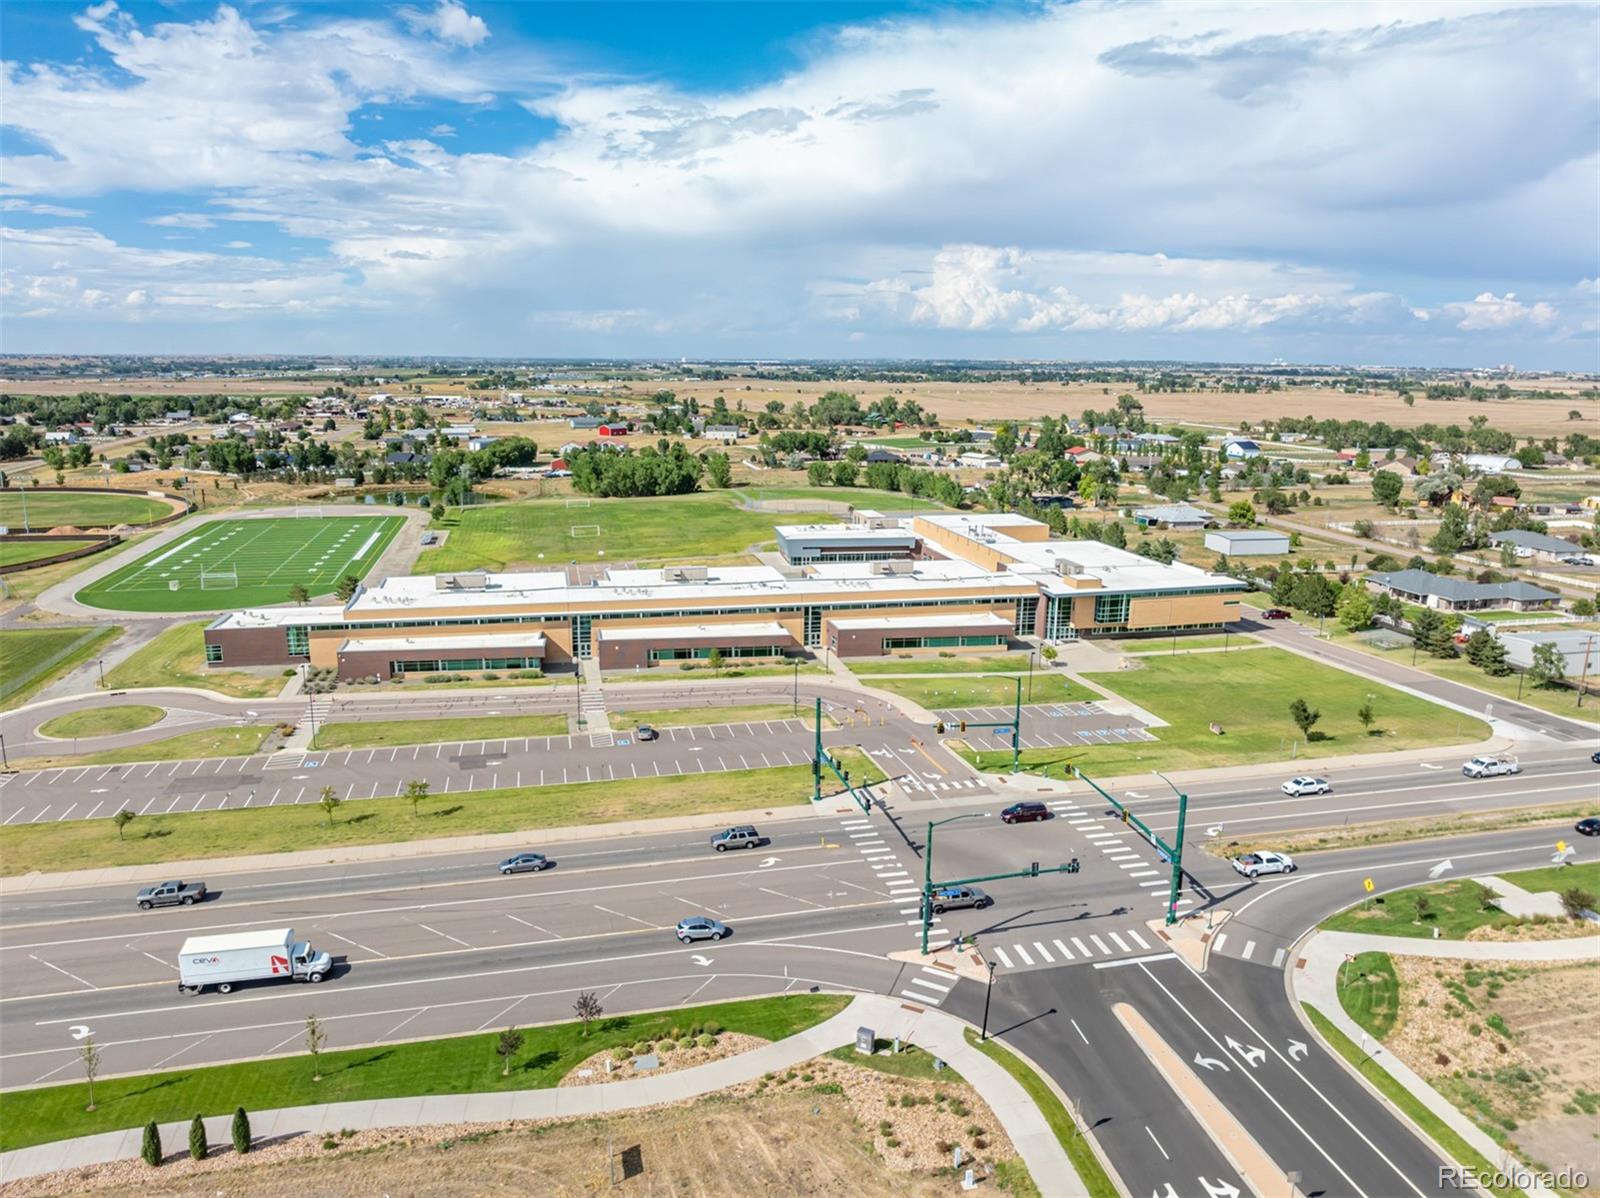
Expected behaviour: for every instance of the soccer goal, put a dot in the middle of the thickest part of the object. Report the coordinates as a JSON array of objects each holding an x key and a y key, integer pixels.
[
  {"x": 577, "y": 503},
  {"x": 219, "y": 580},
  {"x": 584, "y": 530},
  {"x": 308, "y": 511}
]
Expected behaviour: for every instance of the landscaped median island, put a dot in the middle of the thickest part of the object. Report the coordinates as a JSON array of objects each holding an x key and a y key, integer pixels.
[
  {"x": 944, "y": 694},
  {"x": 102, "y": 721},
  {"x": 149, "y": 839},
  {"x": 944, "y": 663},
  {"x": 1422, "y": 827},
  {"x": 1249, "y": 696},
  {"x": 367, "y": 734}
]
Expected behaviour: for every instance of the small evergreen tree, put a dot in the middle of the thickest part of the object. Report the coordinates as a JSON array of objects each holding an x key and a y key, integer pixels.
[
  {"x": 241, "y": 1132},
  {"x": 197, "y": 1139},
  {"x": 150, "y": 1150}
]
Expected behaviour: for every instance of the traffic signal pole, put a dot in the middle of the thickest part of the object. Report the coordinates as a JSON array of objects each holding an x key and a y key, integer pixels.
[
  {"x": 928, "y": 887},
  {"x": 1016, "y": 725},
  {"x": 1174, "y": 853},
  {"x": 820, "y": 758}
]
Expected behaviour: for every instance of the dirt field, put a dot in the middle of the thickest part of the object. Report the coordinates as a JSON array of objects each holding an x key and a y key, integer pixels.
[{"x": 1513, "y": 1047}]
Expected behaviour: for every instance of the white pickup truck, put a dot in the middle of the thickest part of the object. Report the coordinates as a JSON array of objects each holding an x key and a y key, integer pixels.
[{"x": 1491, "y": 767}]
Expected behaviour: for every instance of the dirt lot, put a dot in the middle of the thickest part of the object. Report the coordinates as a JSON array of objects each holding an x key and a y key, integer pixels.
[
  {"x": 1513, "y": 1046},
  {"x": 814, "y": 1131}
]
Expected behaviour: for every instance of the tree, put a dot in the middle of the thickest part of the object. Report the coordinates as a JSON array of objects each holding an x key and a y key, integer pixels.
[
  {"x": 197, "y": 1139},
  {"x": 1355, "y": 608},
  {"x": 719, "y": 470},
  {"x": 508, "y": 1045},
  {"x": 122, "y": 819},
  {"x": 1549, "y": 667},
  {"x": 1367, "y": 716},
  {"x": 1363, "y": 529},
  {"x": 1387, "y": 487},
  {"x": 347, "y": 587},
  {"x": 714, "y": 660},
  {"x": 316, "y": 1038},
  {"x": 241, "y": 1132},
  {"x": 1454, "y": 533},
  {"x": 1583, "y": 607},
  {"x": 298, "y": 593},
  {"x": 436, "y": 512},
  {"x": 416, "y": 791},
  {"x": 817, "y": 474},
  {"x": 1313, "y": 594},
  {"x": 89, "y": 1054},
  {"x": 844, "y": 474},
  {"x": 150, "y": 1150},
  {"x": 1049, "y": 653},
  {"x": 1486, "y": 651},
  {"x": 587, "y": 1008},
  {"x": 1242, "y": 513},
  {"x": 1304, "y": 717},
  {"x": 329, "y": 802}
]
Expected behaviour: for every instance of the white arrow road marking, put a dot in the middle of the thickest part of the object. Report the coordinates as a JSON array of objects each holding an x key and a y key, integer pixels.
[
  {"x": 1134, "y": 794},
  {"x": 1428, "y": 766},
  {"x": 1222, "y": 1189},
  {"x": 1252, "y": 1055},
  {"x": 769, "y": 862},
  {"x": 1214, "y": 829},
  {"x": 1441, "y": 867},
  {"x": 1211, "y": 1063},
  {"x": 701, "y": 961},
  {"x": 1170, "y": 1192},
  {"x": 78, "y": 1030},
  {"x": 1297, "y": 1050}
]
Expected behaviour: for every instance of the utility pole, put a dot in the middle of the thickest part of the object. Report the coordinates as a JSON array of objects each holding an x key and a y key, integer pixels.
[
  {"x": 1583, "y": 679},
  {"x": 816, "y": 756}
]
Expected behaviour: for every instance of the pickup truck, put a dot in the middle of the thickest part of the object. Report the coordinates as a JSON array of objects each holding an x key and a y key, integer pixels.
[
  {"x": 1491, "y": 767},
  {"x": 170, "y": 894}
]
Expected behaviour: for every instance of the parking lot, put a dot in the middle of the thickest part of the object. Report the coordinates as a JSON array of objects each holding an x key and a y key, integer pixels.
[{"x": 1046, "y": 726}]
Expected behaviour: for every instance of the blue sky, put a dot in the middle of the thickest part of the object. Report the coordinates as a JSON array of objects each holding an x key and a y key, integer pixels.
[{"x": 1350, "y": 182}]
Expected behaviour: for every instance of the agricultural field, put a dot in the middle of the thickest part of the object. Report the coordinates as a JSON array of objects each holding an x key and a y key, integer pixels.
[
  {"x": 240, "y": 563},
  {"x": 42, "y": 510},
  {"x": 698, "y": 527}
]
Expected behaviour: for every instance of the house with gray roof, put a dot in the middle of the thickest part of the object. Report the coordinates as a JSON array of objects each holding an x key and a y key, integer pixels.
[
  {"x": 1534, "y": 544},
  {"x": 1445, "y": 593},
  {"x": 1173, "y": 515}
]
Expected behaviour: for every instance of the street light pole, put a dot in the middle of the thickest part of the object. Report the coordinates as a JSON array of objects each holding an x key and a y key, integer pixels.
[
  {"x": 797, "y": 686},
  {"x": 102, "y": 665},
  {"x": 984, "y": 1035}
]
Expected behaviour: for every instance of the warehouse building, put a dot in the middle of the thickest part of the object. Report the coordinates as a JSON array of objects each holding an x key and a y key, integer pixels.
[{"x": 1248, "y": 542}]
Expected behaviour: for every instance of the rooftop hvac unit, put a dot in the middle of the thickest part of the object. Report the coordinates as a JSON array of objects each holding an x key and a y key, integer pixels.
[
  {"x": 477, "y": 580},
  {"x": 684, "y": 574},
  {"x": 1069, "y": 568},
  {"x": 894, "y": 567}
]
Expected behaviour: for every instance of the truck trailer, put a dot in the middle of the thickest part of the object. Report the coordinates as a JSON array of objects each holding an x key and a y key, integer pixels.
[{"x": 225, "y": 961}]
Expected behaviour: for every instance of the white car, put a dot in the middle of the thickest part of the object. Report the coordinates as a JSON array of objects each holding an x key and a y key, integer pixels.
[
  {"x": 1252, "y": 864},
  {"x": 1307, "y": 786}
]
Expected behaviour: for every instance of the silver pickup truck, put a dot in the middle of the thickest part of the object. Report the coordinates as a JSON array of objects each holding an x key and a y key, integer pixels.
[{"x": 171, "y": 894}]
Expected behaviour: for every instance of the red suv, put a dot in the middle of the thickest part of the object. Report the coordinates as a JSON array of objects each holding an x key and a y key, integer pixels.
[
  {"x": 1274, "y": 613},
  {"x": 1022, "y": 813}
]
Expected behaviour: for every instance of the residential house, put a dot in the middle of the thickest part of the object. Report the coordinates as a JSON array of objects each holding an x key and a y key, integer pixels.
[
  {"x": 62, "y": 437},
  {"x": 1536, "y": 545},
  {"x": 1404, "y": 467},
  {"x": 1173, "y": 515},
  {"x": 726, "y": 433},
  {"x": 461, "y": 432},
  {"x": 1446, "y": 593},
  {"x": 879, "y": 454},
  {"x": 1239, "y": 448}
]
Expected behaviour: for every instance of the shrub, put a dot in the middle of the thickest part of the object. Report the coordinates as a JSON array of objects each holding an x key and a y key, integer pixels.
[
  {"x": 197, "y": 1139},
  {"x": 675, "y": 1033},
  {"x": 151, "y": 1148},
  {"x": 705, "y": 1041},
  {"x": 436, "y": 678},
  {"x": 666, "y": 1045},
  {"x": 241, "y": 1132},
  {"x": 713, "y": 1028},
  {"x": 1575, "y": 901},
  {"x": 329, "y": 1143},
  {"x": 891, "y": 1142},
  {"x": 623, "y": 1054},
  {"x": 908, "y": 1100},
  {"x": 643, "y": 1048},
  {"x": 491, "y": 676},
  {"x": 981, "y": 1144}
]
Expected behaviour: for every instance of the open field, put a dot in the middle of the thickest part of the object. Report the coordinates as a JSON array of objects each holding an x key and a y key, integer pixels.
[
  {"x": 102, "y": 721},
  {"x": 367, "y": 734},
  {"x": 26, "y": 585},
  {"x": 177, "y": 657},
  {"x": 529, "y": 535},
  {"x": 858, "y": 497},
  {"x": 206, "y": 742},
  {"x": 1259, "y": 685},
  {"x": 1009, "y": 663},
  {"x": 941, "y": 694},
  {"x": 84, "y": 844},
  {"x": 31, "y": 657},
  {"x": 456, "y": 1065},
  {"x": 264, "y": 558},
  {"x": 41, "y": 509},
  {"x": 1454, "y": 907},
  {"x": 15, "y": 552}
]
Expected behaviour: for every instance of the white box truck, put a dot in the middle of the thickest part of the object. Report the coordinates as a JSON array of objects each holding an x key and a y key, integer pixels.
[{"x": 225, "y": 961}]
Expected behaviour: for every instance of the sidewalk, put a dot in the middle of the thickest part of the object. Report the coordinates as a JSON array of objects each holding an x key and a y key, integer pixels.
[
  {"x": 932, "y": 1030},
  {"x": 1318, "y": 984}
]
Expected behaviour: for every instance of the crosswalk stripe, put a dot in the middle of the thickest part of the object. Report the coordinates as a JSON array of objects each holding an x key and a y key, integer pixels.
[
  {"x": 1004, "y": 960},
  {"x": 1143, "y": 873},
  {"x": 1099, "y": 944},
  {"x": 1066, "y": 953},
  {"x": 1082, "y": 947},
  {"x": 929, "y": 983},
  {"x": 1137, "y": 939},
  {"x": 919, "y": 997},
  {"x": 1277, "y": 958},
  {"x": 1043, "y": 952},
  {"x": 1148, "y": 885},
  {"x": 1023, "y": 953},
  {"x": 1249, "y": 948},
  {"x": 1222, "y": 938},
  {"x": 1119, "y": 941}
]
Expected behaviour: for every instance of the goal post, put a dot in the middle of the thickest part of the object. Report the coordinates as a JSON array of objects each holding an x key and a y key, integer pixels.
[
  {"x": 219, "y": 580},
  {"x": 577, "y": 503},
  {"x": 308, "y": 511},
  {"x": 583, "y": 530}
]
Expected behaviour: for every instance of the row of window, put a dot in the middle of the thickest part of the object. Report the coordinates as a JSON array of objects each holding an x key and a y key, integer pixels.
[
  {"x": 703, "y": 652},
  {"x": 891, "y": 643},
  {"x": 425, "y": 666}
]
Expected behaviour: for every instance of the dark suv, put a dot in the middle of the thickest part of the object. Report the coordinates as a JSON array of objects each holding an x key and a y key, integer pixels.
[{"x": 1024, "y": 813}]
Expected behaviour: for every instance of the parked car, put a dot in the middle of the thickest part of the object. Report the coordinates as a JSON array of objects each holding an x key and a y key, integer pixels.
[
  {"x": 1025, "y": 812},
  {"x": 1577, "y": 559},
  {"x": 1490, "y": 766},
  {"x": 1252, "y": 864},
  {"x": 171, "y": 894},
  {"x": 953, "y": 898},
  {"x": 701, "y": 927},
  {"x": 525, "y": 863},
  {"x": 1307, "y": 786},
  {"x": 1274, "y": 613},
  {"x": 742, "y": 837},
  {"x": 646, "y": 732},
  {"x": 1587, "y": 827}
]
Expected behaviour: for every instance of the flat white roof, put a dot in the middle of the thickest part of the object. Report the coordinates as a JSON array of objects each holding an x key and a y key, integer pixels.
[
  {"x": 278, "y": 617},
  {"x": 696, "y": 632},
  {"x": 498, "y": 640},
  {"x": 843, "y": 533},
  {"x": 657, "y": 578},
  {"x": 1249, "y": 534},
  {"x": 981, "y": 619},
  {"x": 273, "y": 938}
]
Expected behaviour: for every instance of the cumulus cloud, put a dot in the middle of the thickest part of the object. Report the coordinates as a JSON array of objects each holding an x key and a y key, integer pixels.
[
  {"x": 449, "y": 22},
  {"x": 182, "y": 220},
  {"x": 1491, "y": 311},
  {"x": 32, "y": 209}
]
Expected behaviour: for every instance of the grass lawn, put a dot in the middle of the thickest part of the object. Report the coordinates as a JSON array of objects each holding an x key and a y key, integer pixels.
[
  {"x": 458, "y": 1065},
  {"x": 367, "y": 734},
  {"x": 671, "y": 674},
  {"x": 861, "y": 497},
  {"x": 177, "y": 657},
  {"x": 102, "y": 721},
  {"x": 1453, "y": 907},
  {"x": 1007, "y": 663},
  {"x": 1078, "y": 1149},
  {"x": 269, "y": 555},
  {"x": 910, "y": 1061},
  {"x": 47, "y": 509},
  {"x": 1369, "y": 992},
  {"x": 467, "y": 681},
  {"x": 1455, "y": 1148},
  {"x": 205, "y": 742},
  {"x": 683, "y": 717},
  {"x": 1249, "y": 695},
  {"x": 81, "y": 844},
  {"x": 26, "y": 585},
  {"x": 1148, "y": 646},
  {"x": 32, "y": 657},
  {"x": 547, "y": 532},
  {"x": 12, "y": 552},
  {"x": 939, "y": 694}
]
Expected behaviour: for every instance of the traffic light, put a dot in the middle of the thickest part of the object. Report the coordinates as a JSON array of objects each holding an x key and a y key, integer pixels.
[
  {"x": 963, "y": 725},
  {"x": 1073, "y": 866},
  {"x": 1125, "y": 815},
  {"x": 1034, "y": 871},
  {"x": 939, "y": 727}
]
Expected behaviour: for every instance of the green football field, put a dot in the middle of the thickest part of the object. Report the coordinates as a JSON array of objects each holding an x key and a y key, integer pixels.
[
  {"x": 246, "y": 563},
  {"x": 42, "y": 510}
]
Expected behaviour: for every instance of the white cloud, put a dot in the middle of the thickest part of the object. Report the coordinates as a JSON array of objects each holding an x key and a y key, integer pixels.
[
  {"x": 13, "y": 205},
  {"x": 442, "y": 131},
  {"x": 182, "y": 220},
  {"x": 449, "y": 22},
  {"x": 1491, "y": 311}
]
